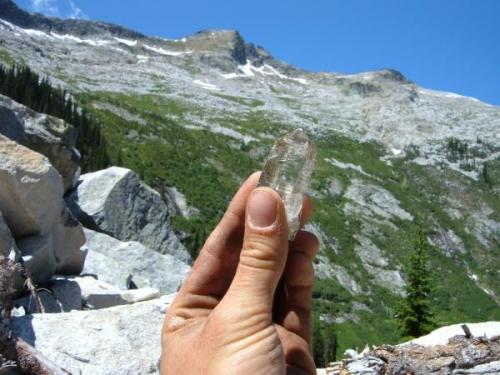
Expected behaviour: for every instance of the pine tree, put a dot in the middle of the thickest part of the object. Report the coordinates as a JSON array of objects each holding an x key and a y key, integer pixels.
[
  {"x": 27, "y": 87},
  {"x": 329, "y": 343},
  {"x": 414, "y": 315},
  {"x": 318, "y": 345}
]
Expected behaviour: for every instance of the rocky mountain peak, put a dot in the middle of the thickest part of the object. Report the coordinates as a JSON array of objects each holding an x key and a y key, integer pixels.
[
  {"x": 229, "y": 44},
  {"x": 10, "y": 12}
]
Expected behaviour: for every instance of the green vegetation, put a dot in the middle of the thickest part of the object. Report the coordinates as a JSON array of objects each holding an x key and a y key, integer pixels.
[
  {"x": 208, "y": 168},
  {"x": 147, "y": 133},
  {"x": 25, "y": 86},
  {"x": 241, "y": 100},
  {"x": 324, "y": 342},
  {"x": 414, "y": 314}
]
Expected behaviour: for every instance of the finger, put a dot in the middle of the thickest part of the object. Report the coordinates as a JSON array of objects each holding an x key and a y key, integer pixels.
[
  {"x": 264, "y": 252},
  {"x": 307, "y": 210},
  {"x": 304, "y": 242},
  {"x": 298, "y": 279},
  {"x": 214, "y": 268},
  {"x": 298, "y": 355}
]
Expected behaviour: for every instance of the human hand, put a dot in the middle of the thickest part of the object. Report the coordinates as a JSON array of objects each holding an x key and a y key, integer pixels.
[{"x": 233, "y": 315}]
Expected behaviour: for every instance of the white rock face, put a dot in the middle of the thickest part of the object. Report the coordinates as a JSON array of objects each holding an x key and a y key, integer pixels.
[
  {"x": 374, "y": 263},
  {"x": 180, "y": 204},
  {"x": 114, "y": 261},
  {"x": 118, "y": 340},
  {"x": 116, "y": 202},
  {"x": 31, "y": 202},
  {"x": 371, "y": 200},
  {"x": 30, "y": 190}
]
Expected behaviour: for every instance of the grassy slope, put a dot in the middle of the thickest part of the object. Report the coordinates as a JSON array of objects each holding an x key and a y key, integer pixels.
[{"x": 208, "y": 168}]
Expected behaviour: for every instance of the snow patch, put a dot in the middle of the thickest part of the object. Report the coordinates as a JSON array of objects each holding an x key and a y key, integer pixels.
[
  {"x": 128, "y": 42},
  {"x": 37, "y": 33},
  {"x": 142, "y": 59},
  {"x": 444, "y": 94},
  {"x": 342, "y": 165},
  {"x": 396, "y": 151},
  {"x": 441, "y": 335},
  {"x": 72, "y": 38},
  {"x": 206, "y": 85},
  {"x": 165, "y": 52},
  {"x": 249, "y": 70}
]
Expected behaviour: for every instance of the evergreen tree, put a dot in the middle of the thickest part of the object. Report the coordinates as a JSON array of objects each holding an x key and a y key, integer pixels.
[
  {"x": 414, "y": 315},
  {"x": 26, "y": 87},
  {"x": 329, "y": 343},
  {"x": 318, "y": 345},
  {"x": 324, "y": 342}
]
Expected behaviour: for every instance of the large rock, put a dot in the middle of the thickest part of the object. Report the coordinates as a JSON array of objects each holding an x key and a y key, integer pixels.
[
  {"x": 38, "y": 257},
  {"x": 114, "y": 261},
  {"x": 116, "y": 202},
  {"x": 31, "y": 202},
  {"x": 69, "y": 241},
  {"x": 44, "y": 134},
  {"x": 8, "y": 246},
  {"x": 117, "y": 340},
  {"x": 9, "y": 249},
  {"x": 30, "y": 190}
]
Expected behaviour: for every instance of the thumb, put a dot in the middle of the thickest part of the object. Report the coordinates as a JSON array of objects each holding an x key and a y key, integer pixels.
[{"x": 265, "y": 249}]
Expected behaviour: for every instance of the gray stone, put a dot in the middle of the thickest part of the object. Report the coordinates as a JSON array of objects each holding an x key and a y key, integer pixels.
[
  {"x": 67, "y": 292},
  {"x": 31, "y": 202},
  {"x": 180, "y": 205},
  {"x": 30, "y": 190},
  {"x": 98, "y": 294},
  {"x": 38, "y": 256},
  {"x": 447, "y": 241},
  {"x": 8, "y": 246},
  {"x": 44, "y": 134},
  {"x": 69, "y": 241},
  {"x": 335, "y": 187},
  {"x": 63, "y": 295},
  {"x": 10, "y": 126},
  {"x": 114, "y": 261},
  {"x": 47, "y": 299},
  {"x": 118, "y": 340},
  {"x": 371, "y": 200},
  {"x": 116, "y": 202},
  {"x": 140, "y": 295}
]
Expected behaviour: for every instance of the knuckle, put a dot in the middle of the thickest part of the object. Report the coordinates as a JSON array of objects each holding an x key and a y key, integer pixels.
[{"x": 259, "y": 252}]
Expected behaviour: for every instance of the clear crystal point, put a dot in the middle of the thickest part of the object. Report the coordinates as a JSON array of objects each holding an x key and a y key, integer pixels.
[{"x": 288, "y": 170}]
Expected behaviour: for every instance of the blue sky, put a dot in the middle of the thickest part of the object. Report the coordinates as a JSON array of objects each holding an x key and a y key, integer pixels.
[{"x": 451, "y": 45}]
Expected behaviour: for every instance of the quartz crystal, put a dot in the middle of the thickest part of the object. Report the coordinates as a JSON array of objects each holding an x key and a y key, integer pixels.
[{"x": 288, "y": 170}]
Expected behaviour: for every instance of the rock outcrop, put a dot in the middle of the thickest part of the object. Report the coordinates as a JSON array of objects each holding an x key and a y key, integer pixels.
[
  {"x": 120, "y": 263},
  {"x": 116, "y": 202},
  {"x": 117, "y": 340},
  {"x": 44, "y": 134},
  {"x": 31, "y": 202}
]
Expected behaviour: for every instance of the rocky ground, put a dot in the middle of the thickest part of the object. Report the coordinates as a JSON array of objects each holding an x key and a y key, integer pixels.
[
  {"x": 457, "y": 349},
  {"x": 98, "y": 247}
]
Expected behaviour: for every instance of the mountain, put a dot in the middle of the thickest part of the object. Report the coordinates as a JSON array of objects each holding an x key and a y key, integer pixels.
[{"x": 194, "y": 116}]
